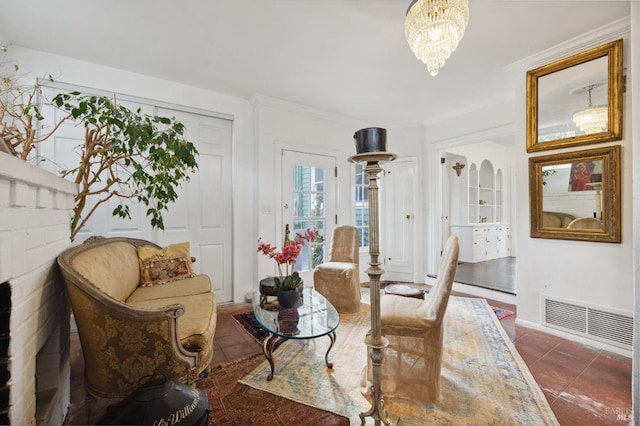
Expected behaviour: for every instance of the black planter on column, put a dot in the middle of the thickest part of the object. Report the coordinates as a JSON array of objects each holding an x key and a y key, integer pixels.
[{"x": 371, "y": 139}]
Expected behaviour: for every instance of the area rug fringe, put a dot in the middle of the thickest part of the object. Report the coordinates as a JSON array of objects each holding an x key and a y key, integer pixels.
[{"x": 485, "y": 381}]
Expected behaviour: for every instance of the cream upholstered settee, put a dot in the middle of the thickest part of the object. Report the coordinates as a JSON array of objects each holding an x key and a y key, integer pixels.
[{"x": 128, "y": 331}]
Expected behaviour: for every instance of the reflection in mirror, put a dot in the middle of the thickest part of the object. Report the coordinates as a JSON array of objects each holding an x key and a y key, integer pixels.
[
  {"x": 576, "y": 195},
  {"x": 576, "y": 100},
  {"x": 564, "y": 94},
  {"x": 570, "y": 191}
]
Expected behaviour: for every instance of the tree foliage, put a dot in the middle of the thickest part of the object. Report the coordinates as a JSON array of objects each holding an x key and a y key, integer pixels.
[
  {"x": 20, "y": 129},
  {"x": 126, "y": 154}
]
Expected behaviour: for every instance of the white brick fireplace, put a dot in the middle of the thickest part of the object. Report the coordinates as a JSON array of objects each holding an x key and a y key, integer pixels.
[{"x": 35, "y": 210}]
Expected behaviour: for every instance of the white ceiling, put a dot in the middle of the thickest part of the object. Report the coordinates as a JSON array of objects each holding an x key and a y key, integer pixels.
[{"x": 343, "y": 56}]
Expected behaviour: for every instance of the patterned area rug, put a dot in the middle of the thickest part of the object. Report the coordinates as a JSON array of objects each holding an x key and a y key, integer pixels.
[
  {"x": 235, "y": 404},
  {"x": 484, "y": 379},
  {"x": 251, "y": 325}
]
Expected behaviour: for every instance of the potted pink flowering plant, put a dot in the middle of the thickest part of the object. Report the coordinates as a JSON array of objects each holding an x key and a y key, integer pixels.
[{"x": 288, "y": 280}]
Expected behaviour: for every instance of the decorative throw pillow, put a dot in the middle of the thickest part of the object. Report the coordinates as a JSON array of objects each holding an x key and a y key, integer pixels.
[{"x": 163, "y": 265}]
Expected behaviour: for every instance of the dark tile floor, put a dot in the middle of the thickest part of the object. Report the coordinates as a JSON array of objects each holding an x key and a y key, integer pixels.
[{"x": 585, "y": 386}]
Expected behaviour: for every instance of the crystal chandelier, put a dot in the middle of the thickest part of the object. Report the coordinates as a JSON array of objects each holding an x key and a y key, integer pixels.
[
  {"x": 433, "y": 29},
  {"x": 592, "y": 119}
]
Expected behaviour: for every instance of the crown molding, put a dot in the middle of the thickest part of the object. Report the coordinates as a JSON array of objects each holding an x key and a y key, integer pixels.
[
  {"x": 615, "y": 30},
  {"x": 258, "y": 100},
  {"x": 486, "y": 135},
  {"x": 495, "y": 100}
]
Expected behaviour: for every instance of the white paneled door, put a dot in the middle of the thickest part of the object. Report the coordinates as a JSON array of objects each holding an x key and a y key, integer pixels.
[
  {"x": 203, "y": 212},
  {"x": 397, "y": 225},
  {"x": 309, "y": 201}
]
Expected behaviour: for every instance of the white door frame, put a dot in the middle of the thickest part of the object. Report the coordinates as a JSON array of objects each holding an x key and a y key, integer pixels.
[
  {"x": 331, "y": 203},
  {"x": 399, "y": 218},
  {"x": 435, "y": 176}
]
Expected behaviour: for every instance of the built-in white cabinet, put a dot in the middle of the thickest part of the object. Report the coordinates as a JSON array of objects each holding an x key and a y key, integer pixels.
[
  {"x": 482, "y": 241},
  {"x": 479, "y": 200},
  {"x": 485, "y": 193},
  {"x": 484, "y": 237}
]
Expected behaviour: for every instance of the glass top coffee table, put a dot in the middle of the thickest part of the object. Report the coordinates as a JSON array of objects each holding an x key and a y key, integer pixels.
[{"x": 313, "y": 316}]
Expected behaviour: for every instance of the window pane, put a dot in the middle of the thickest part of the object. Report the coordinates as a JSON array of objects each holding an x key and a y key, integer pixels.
[
  {"x": 309, "y": 213},
  {"x": 312, "y": 254},
  {"x": 362, "y": 204},
  {"x": 301, "y": 204},
  {"x": 302, "y": 178},
  {"x": 318, "y": 206},
  {"x": 318, "y": 247}
]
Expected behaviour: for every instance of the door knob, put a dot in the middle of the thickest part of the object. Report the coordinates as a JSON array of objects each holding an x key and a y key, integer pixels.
[{"x": 286, "y": 206}]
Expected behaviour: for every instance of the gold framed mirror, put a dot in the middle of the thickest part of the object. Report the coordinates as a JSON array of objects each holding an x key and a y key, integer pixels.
[
  {"x": 576, "y": 100},
  {"x": 576, "y": 195}
]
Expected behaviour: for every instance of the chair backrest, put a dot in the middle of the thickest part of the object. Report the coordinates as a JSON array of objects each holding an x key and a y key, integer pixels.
[
  {"x": 585, "y": 223},
  {"x": 345, "y": 246},
  {"x": 438, "y": 297}
]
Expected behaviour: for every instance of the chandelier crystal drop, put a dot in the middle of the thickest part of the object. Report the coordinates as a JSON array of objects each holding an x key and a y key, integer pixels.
[
  {"x": 592, "y": 119},
  {"x": 433, "y": 29}
]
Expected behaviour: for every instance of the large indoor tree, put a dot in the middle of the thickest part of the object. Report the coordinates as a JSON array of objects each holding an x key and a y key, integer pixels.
[
  {"x": 125, "y": 154},
  {"x": 128, "y": 155}
]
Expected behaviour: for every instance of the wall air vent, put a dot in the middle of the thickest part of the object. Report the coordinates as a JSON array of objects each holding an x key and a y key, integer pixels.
[{"x": 615, "y": 328}]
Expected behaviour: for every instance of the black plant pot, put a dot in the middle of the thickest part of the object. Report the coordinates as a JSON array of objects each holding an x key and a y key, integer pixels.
[
  {"x": 288, "y": 298},
  {"x": 371, "y": 139},
  {"x": 268, "y": 286}
]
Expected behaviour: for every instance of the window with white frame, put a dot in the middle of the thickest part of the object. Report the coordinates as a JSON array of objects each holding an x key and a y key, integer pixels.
[{"x": 362, "y": 204}]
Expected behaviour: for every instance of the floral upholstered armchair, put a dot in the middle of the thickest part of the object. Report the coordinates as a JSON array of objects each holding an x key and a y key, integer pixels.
[{"x": 140, "y": 310}]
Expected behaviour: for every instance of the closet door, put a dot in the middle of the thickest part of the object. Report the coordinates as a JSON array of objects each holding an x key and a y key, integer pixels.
[
  {"x": 397, "y": 220},
  {"x": 203, "y": 212}
]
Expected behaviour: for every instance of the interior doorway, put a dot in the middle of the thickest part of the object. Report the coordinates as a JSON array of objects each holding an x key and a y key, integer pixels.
[{"x": 476, "y": 206}]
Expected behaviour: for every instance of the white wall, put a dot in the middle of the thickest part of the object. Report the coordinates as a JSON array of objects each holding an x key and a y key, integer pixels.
[
  {"x": 491, "y": 123},
  {"x": 38, "y": 64},
  {"x": 597, "y": 274},
  {"x": 476, "y": 153},
  {"x": 283, "y": 125}
]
